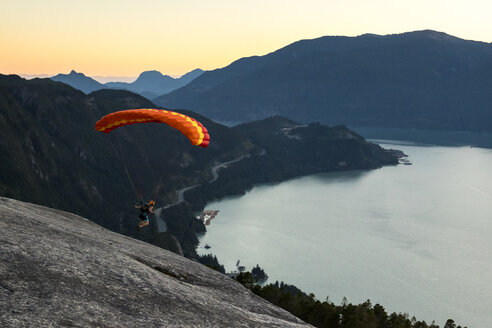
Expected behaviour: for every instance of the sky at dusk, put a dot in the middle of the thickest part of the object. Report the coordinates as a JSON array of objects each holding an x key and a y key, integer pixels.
[{"x": 125, "y": 38}]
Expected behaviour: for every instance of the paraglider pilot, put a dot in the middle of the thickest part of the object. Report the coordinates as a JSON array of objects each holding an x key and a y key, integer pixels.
[{"x": 145, "y": 209}]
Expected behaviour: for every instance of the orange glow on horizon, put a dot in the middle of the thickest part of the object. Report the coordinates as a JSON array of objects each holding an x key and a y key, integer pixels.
[{"x": 125, "y": 38}]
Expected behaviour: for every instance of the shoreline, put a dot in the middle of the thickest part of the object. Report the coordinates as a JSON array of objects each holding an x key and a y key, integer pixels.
[
  {"x": 207, "y": 216},
  {"x": 161, "y": 223},
  {"x": 162, "y": 226}
]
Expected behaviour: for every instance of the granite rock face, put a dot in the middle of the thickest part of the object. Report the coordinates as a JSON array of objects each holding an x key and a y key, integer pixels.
[{"x": 58, "y": 269}]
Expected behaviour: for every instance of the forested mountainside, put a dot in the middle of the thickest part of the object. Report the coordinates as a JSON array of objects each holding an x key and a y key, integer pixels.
[
  {"x": 56, "y": 158},
  {"x": 417, "y": 80}
]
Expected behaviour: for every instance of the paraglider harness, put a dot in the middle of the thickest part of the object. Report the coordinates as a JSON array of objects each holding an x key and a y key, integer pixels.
[{"x": 144, "y": 211}]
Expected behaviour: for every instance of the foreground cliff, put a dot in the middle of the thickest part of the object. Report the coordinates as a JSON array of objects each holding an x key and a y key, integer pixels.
[{"x": 60, "y": 270}]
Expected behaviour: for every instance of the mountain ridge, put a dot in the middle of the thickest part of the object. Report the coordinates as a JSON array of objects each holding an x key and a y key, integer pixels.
[
  {"x": 78, "y": 81},
  {"x": 421, "y": 79},
  {"x": 149, "y": 84}
]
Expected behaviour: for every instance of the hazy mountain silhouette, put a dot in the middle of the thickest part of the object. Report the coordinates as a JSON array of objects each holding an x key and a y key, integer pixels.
[
  {"x": 79, "y": 81},
  {"x": 422, "y": 79},
  {"x": 151, "y": 84}
]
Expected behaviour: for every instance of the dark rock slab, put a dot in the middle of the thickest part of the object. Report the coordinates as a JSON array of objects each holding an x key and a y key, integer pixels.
[{"x": 58, "y": 269}]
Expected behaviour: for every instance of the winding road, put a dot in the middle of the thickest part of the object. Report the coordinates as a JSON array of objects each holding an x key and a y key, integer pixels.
[{"x": 161, "y": 224}]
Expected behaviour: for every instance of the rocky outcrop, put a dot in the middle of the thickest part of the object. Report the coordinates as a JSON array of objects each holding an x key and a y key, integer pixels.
[{"x": 60, "y": 270}]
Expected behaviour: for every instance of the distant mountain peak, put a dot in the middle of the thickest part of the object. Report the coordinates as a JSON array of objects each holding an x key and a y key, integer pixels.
[
  {"x": 371, "y": 35},
  {"x": 149, "y": 84},
  {"x": 74, "y": 73},
  {"x": 196, "y": 70},
  {"x": 152, "y": 77},
  {"x": 420, "y": 33},
  {"x": 78, "y": 81},
  {"x": 152, "y": 73},
  {"x": 153, "y": 83},
  {"x": 433, "y": 34},
  {"x": 192, "y": 74},
  {"x": 430, "y": 33}
]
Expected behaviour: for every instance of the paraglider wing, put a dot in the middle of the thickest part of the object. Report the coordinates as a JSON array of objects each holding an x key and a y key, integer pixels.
[{"x": 191, "y": 128}]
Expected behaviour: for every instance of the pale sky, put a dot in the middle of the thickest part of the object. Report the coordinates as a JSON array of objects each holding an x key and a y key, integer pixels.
[{"x": 125, "y": 38}]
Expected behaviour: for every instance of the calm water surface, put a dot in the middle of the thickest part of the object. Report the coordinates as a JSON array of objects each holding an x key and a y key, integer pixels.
[{"x": 414, "y": 238}]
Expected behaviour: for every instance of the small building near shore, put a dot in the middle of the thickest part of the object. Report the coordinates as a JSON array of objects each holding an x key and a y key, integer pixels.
[{"x": 207, "y": 216}]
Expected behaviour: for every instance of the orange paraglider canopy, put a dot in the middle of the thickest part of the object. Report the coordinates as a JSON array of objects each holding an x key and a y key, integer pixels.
[{"x": 191, "y": 128}]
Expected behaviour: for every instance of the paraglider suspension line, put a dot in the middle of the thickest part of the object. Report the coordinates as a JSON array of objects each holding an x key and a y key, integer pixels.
[
  {"x": 126, "y": 170},
  {"x": 158, "y": 188},
  {"x": 131, "y": 182}
]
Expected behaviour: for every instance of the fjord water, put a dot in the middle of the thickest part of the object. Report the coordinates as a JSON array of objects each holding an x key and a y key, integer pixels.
[{"x": 413, "y": 238}]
